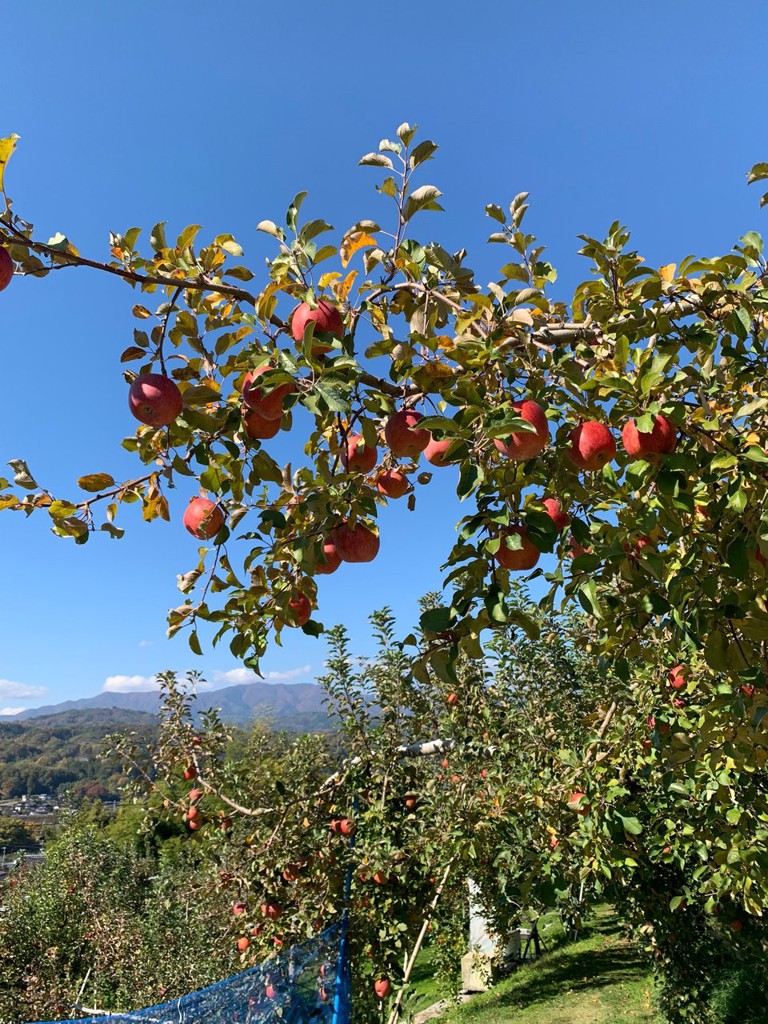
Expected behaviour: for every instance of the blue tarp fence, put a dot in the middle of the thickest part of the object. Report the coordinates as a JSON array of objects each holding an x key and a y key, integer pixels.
[{"x": 306, "y": 983}]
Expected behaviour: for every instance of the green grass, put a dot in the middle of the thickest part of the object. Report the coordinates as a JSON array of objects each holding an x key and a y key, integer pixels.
[{"x": 601, "y": 979}]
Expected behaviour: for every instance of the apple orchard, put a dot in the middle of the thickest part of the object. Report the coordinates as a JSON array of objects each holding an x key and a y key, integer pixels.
[{"x": 624, "y": 432}]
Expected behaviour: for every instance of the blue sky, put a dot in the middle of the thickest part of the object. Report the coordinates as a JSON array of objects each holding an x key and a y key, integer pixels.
[{"x": 132, "y": 113}]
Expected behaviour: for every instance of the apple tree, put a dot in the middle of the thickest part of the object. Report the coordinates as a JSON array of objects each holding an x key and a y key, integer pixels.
[{"x": 621, "y": 435}]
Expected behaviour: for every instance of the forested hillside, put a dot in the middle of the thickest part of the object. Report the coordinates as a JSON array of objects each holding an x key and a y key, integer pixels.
[{"x": 61, "y": 753}]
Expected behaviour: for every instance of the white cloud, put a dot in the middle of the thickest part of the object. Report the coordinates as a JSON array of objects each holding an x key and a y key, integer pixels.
[
  {"x": 144, "y": 643},
  {"x": 129, "y": 684},
  {"x": 243, "y": 676},
  {"x": 11, "y": 711},
  {"x": 11, "y": 689}
]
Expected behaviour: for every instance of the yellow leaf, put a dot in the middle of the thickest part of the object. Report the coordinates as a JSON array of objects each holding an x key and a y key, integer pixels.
[
  {"x": 267, "y": 300},
  {"x": 7, "y": 147},
  {"x": 753, "y": 438},
  {"x": 667, "y": 273},
  {"x": 352, "y": 242},
  {"x": 328, "y": 278},
  {"x": 444, "y": 342},
  {"x": 522, "y": 316},
  {"x": 341, "y": 288}
]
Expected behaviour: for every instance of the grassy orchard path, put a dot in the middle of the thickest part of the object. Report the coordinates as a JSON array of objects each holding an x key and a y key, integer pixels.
[{"x": 601, "y": 979}]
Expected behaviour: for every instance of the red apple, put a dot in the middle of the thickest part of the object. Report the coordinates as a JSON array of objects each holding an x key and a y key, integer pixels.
[
  {"x": 243, "y": 943},
  {"x": 662, "y": 440},
  {"x": 410, "y": 801},
  {"x": 299, "y": 611},
  {"x": 257, "y": 427},
  {"x": 435, "y": 451},
  {"x": 524, "y": 444},
  {"x": 578, "y": 802},
  {"x": 592, "y": 446},
  {"x": 327, "y": 319},
  {"x": 554, "y": 510},
  {"x": 577, "y": 549},
  {"x": 270, "y": 909},
  {"x": 190, "y": 772},
  {"x": 6, "y": 268},
  {"x": 203, "y": 518},
  {"x": 554, "y": 842},
  {"x": 403, "y": 436},
  {"x": 677, "y": 677},
  {"x": 381, "y": 878},
  {"x": 192, "y": 813},
  {"x": 347, "y": 827},
  {"x": 238, "y": 908},
  {"x": 392, "y": 482},
  {"x": 633, "y": 550},
  {"x": 291, "y": 872},
  {"x": 268, "y": 406},
  {"x": 382, "y": 987},
  {"x": 452, "y": 699},
  {"x": 332, "y": 559},
  {"x": 524, "y": 557},
  {"x": 355, "y": 543},
  {"x": 194, "y": 825},
  {"x": 359, "y": 457},
  {"x": 194, "y": 794},
  {"x": 335, "y": 825},
  {"x": 155, "y": 399},
  {"x": 736, "y": 925}
]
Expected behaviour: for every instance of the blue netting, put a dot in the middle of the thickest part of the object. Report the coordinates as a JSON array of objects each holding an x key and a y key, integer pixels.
[{"x": 297, "y": 986}]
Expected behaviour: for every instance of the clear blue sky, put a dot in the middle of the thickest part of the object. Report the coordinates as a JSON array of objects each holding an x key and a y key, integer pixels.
[{"x": 195, "y": 113}]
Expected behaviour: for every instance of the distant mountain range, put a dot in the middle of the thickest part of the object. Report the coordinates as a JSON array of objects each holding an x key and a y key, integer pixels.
[{"x": 295, "y": 706}]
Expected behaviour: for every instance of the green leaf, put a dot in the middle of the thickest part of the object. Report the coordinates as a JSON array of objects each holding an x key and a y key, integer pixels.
[
  {"x": 421, "y": 153},
  {"x": 436, "y": 620},
  {"x": 270, "y": 228},
  {"x": 631, "y": 825},
  {"x": 738, "y": 559},
  {"x": 423, "y": 198},
  {"x": 194, "y": 643},
  {"x": 157, "y": 236},
  {"x": 496, "y": 212},
  {"x": 188, "y": 236},
  {"x": 588, "y": 599},
  {"x": 759, "y": 172},
  {"x": 376, "y": 160}
]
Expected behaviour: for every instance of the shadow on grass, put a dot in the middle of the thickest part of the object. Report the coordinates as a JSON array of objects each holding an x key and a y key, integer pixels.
[{"x": 567, "y": 971}]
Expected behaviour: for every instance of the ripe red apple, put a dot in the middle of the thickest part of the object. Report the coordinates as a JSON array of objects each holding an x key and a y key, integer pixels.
[
  {"x": 238, "y": 908},
  {"x": 592, "y": 446},
  {"x": 577, "y": 549},
  {"x": 257, "y": 427},
  {"x": 381, "y": 878},
  {"x": 578, "y": 802},
  {"x": 554, "y": 510},
  {"x": 392, "y": 482},
  {"x": 677, "y": 677},
  {"x": 524, "y": 557},
  {"x": 155, "y": 399},
  {"x": 268, "y": 406},
  {"x": 435, "y": 451},
  {"x": 332, "y": 559},
  {"x": 359, "y": 457},
  {"x": 203, "y": 518},
  {"x": 243, "y": 943},
  {"x": 382, "y": 987},
  {"x": 662, "y": 440},
  {"x": 403, "y": 436},
  {"x": 190, "y": 772},
  {"x": 748, "y": 689},
  {"x": 410, "y": 801},
  {"x": 194, "y": 794},
  {"x": 192, "y": 813},
  {"x": 6, "y": 268},
  {"x": 270, "y": 909},
  {"x": 523, "y": 444},
  {"x": 355, "y": 543},
  {"x": 291, "y": 872},
  {"x": 322, "y": 994},
  {"x": 634, "y": 549},
  {"x": 347, "y": 827},
  {"x": 452, "y": 699},
  {"x": 327, "y": 319},
  {"x": 299, "y": 611},
  {"x": 226, "y": 823},
  {"x": 444, "y": 763},
  {"x": 193, "y": 825},
  {"x": 736, "y": 925}
]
